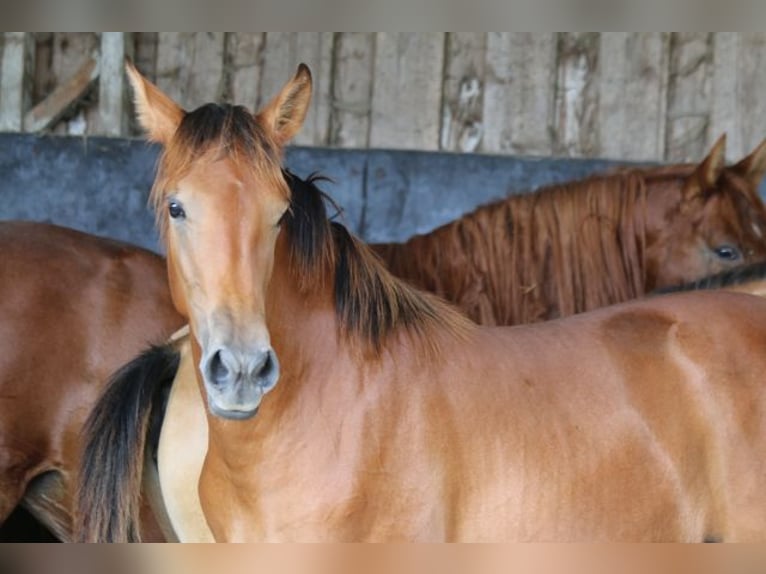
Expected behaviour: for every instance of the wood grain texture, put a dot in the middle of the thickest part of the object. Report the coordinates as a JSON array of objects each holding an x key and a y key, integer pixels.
[
  {"x": 15, "y": 79},
  {"x": 633, "y": 69},
  {"x": 190, "y": 66},
  {"x": 689, "y": 96},
  {"x": 243, "y": 66},
  {"x": 113, "y": 104},
  {"x": 725, "y": 114},
  {"x": 625, "y": 95},
  {"x": 351, "y": 101},
  {"x": 65, "y": 97},
  {"x": 519, "y": 93},
  {"x": 751, "y": 87},
  {"x": 70, "y": 52},
  {"x": 577, "y": 96},
  {"x": 462, "y": 126},
  {"x": 406, "y": 95}
]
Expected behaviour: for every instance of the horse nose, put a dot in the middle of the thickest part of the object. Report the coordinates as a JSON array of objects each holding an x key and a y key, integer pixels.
[{"x": 224, "y": 367}]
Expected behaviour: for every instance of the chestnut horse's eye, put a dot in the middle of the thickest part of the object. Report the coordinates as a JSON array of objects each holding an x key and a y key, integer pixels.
[
  {"x": 727, "y": 253},
  {"x": 175, "y": 210}
]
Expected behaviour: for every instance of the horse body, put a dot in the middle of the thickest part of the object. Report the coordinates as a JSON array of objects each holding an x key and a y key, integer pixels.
[
  {"x": 73, "y": 308},
  {"x": 342, "y": 404},
  {"x": 567, "y": 431}
]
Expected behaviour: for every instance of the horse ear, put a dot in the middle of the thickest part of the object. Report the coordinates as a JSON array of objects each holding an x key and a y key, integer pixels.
[
  {"x": 708, "y": 171},
  {"x": 158, "y": 114},
  {"x": 753, "y": 167},
  {"x": 284, "y": 114}
]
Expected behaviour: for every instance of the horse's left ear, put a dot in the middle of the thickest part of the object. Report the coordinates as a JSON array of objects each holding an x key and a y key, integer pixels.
[
  {"x": 708, "y": 171},
  {"x": 753, "y": 167},
  {"x": 284, "y": 114},
  {"x": 158, "y": 114}
]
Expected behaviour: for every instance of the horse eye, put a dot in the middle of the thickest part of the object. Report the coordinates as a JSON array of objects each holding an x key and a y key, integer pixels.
[
  {"x": 727, "y": 252},
  {"x": 175, "y": 210}
]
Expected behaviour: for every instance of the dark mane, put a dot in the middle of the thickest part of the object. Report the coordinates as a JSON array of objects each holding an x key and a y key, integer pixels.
[
  {"x": 370, "y": 302},
  {"x": 729, "y": 278}
]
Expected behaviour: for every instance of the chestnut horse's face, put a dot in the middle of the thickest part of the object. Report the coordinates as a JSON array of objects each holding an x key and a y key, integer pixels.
[
  {"x": 222, "y": 228},
  {"x": 220, "y": 196},
  {"x": 718, "y": 223}
]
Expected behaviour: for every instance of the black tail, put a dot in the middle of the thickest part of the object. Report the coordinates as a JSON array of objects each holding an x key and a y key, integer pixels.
[{"x": 109, "y": 492}]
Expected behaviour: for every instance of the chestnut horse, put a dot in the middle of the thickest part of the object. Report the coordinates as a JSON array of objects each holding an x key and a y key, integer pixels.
[
  {"x": 343, "y": 404},
  {"x": 586, "y": 244},
  {"x": 73, "y": 308}
]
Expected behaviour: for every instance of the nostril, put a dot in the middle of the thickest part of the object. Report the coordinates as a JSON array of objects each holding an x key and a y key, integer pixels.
[
  {"x": 268, "y": 366},
  {"x": 217, "y": 370},
  {"x": 264, "y": 368},
  {"x": 261, "y": 365}
]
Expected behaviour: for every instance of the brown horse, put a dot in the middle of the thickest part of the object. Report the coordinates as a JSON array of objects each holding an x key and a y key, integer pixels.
[
  {"x": 73, "y": 308},
  {"x": 344, "y": 405},
  {"x": 577, "y": 246}
]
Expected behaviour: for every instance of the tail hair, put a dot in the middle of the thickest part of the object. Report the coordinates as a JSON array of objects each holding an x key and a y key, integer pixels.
[{"x": 108, "y": 497}]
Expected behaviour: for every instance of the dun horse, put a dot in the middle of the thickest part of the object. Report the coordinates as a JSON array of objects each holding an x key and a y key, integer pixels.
[
  {"x": 73, "y": 308},
  {"x": 578, "y": 246},
  {"x": 343, "y": 404}
]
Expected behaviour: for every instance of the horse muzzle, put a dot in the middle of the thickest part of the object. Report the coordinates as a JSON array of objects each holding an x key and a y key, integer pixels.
[{"x": 236, "y": 381}]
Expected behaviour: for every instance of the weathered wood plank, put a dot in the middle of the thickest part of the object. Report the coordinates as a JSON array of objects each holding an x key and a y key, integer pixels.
[
  {"x": 577, "y": 95},
  {"x": 689, "y": 96},
  {"x": 725, "y": 114},
  {"x": 244, "y": 62},
  {"x": 353, "y": 55},
  {"x": 190, "y": 66},
  {"x": 315, "y": 50},
  {"x": 15, "y": 79},
  {"x": 71, "y": 52},
  {"x": 462, "y": 126},
  {"x": 113, "y": 106},
  {"x": 41, "y": 72},
  {"x": 406, "y": 95},
  {"x": 63, "y": 98},
  {"x": 751, "y": 86},
  {"x": 519, "y": 93},
  {"x": 632, "y": 95},
  {"x": 284, "y": 51}
]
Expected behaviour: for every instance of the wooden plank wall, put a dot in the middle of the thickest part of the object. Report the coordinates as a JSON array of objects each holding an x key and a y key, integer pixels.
[{"x": 634, "y": 96}]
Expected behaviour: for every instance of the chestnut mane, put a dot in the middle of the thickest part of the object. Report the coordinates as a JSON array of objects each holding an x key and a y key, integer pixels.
[{"x": 561, "y": 250}]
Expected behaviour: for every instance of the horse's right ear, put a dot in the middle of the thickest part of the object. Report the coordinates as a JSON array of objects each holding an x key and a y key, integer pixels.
[
  {"x": 753, "y": 167},
  {"x": 157, "y": 113},
  {"x": 708, "y": 171},
  {"x": 285, "y": 113}
]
